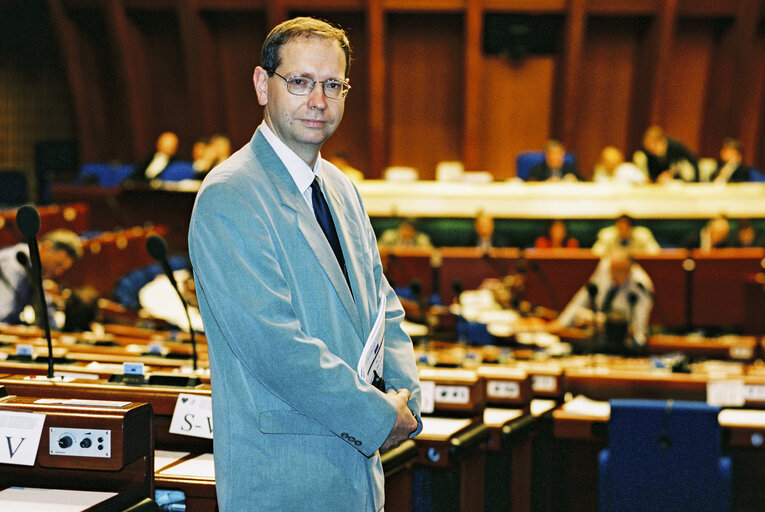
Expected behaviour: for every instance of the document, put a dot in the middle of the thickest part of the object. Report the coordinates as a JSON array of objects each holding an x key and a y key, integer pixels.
[
  {"x": 27, "y": 499},
  {"x": 370, "y": 367}
]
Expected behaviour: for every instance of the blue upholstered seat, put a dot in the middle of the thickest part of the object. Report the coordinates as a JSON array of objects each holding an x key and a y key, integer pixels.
[
  {"x": 664, "y": 455},
  {"x": 177, "y": 171},
  {"x": 104, "y": 174}
]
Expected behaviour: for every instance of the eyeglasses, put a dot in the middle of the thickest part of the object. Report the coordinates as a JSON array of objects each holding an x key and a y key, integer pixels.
[{"x": 303, "y": 85}]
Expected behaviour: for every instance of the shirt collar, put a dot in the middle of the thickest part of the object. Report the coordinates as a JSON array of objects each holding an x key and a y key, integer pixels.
[{"x": 302, "y": 175}]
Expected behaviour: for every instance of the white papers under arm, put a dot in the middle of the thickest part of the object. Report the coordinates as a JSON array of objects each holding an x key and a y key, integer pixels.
[{"x": 371, "y": 360}]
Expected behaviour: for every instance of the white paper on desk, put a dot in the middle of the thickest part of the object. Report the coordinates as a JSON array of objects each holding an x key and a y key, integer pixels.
[
  {"x": 20, "y": 432},
  {"x": 198, "y": 467},
  {"x": 26, "y": 499},
  {"x": 371, "y": 360}
]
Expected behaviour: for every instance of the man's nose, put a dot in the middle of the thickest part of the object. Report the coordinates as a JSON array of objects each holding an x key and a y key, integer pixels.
[{"x": 316, "y": 98}]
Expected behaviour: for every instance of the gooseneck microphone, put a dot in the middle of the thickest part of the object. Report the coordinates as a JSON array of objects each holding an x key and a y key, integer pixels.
[
  {"x": 28, "y": 222},
  {"x": 156, "y": 246}
]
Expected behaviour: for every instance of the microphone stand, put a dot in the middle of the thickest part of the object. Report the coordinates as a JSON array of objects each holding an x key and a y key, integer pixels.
[
  {"x": 28, "y": 222},
  {"x": 157, "y": 248}
]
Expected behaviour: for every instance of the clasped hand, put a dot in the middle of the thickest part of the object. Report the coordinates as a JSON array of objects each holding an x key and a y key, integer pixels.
[{"x": 405, "y": 421}]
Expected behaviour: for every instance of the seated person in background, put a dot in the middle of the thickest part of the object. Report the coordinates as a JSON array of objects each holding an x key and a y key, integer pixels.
[
  {"x": 59, "y": 250},
  {"x": 714, "y": 235},
  {"x": 730, "y": 167},
  {"x": 340, "y": 159},
  {"x": 208, "y": 154},
  {"x": 151, "y": 168},
  {"x": 484, "y": 235},
  {"x": 746, "y": 235},
  {"x": 405, "y": 235},
  {"x": 554, "y": 168},
  {"x": 159, "y": 299},
  {"x": 557, "y": 237},
  {"x": 80, "y": 308},
  {"x": 611, "y": 168},
  {"x": 623, "y": 234},
  {"x": 664, "y": 159},
  {"x": 617, "y": 301}
]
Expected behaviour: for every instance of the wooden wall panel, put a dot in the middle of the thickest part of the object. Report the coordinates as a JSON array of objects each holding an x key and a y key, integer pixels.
[
  {"x": 165, "y": 101},
  {"x": 620, "y": 65},
  {"x": 108, "y": 136},
  {"x": 238, "y": 37},
  {"x": 352, "y": 135},
  {"x": 686, "y": 88},
  {"x": 425, "y": 80},
  {"x": 516, "y": 111},
  {"x": 753, "y": 118},
  {"x": 607, "y": 79}
]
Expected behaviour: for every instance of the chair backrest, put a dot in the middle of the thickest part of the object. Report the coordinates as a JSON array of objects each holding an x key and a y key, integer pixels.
[
  {"x": 13, "y": 187},
  {"x": 663, "y": 455},
  {"x": 177, "y": 171},
  {"x": 526, "y": 161},
  {"x": 104, "y": 174},
  {"x": 756, "y": 175}
]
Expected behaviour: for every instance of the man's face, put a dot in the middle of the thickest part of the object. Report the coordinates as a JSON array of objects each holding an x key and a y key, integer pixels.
[
  {"x": 555, "y": 156},
  {"x": 624, "y": 228},
  {"x": 54, "y": 262},
  {"x": 303, "y": 123}
]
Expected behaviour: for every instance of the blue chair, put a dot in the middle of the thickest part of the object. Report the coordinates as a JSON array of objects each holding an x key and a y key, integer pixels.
[
  {"x": 177, "y": 171},
  {"x": 127, "y": 288},
  {"x": 756, "y": 175},
  {"x": 663, "y": 455},
  {"x": 104, "y": 174},
  {"x": 526, "y": 161}
]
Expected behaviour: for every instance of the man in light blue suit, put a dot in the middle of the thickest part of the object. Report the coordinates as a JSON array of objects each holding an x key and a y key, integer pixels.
[{"x": 286, "y": 316}]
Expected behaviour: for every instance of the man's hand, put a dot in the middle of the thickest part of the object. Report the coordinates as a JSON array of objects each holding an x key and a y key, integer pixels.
[{"x": 405, "y": 422}]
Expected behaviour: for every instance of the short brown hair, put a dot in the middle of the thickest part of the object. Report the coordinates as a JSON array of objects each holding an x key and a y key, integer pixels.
[{"x": 285, "y": 32}]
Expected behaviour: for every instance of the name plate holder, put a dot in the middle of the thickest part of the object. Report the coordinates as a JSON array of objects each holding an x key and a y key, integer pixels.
[{"x": 87, "y": 446}]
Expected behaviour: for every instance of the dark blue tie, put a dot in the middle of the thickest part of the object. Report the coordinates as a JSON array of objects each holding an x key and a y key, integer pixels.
[{"x": 324, "y": 216}]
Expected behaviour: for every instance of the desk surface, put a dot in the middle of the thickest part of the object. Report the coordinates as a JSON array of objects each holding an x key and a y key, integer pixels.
[{"x": 562, "y": 200}]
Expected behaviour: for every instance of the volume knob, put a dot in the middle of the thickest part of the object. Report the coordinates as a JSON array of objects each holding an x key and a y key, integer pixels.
[{"x": 65, "y": 442}]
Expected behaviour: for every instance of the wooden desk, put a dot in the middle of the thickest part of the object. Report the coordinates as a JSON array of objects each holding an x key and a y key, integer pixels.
[
  {"x": 451, "y": 465},
  {"x": 737, "y": 348},
  {"x": 604, "y": 383}
]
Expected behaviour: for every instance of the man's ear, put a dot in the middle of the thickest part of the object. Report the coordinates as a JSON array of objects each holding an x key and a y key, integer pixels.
[{"x": 260, "y": 81}]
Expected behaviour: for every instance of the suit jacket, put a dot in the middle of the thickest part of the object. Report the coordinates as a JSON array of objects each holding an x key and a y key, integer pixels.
[
  {"x": 139, "y": 172},
  {"x": 295, "y": 428},
  {"x": 541, "y": 172}
]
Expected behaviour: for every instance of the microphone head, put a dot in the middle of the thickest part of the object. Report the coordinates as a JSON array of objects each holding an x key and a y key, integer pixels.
[
  {"x": 457, "y": 287},
  {"x": 632, "y": 298},
  {"x": 22, "y": 258},
  {"x": 592, "y": 289},
  {"x": 28, "y": 221},
  {"x": 156, "y": 247}
]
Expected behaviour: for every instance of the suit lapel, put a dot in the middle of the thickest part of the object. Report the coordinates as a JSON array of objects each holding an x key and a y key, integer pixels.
[{"x": 305, "y": 222}]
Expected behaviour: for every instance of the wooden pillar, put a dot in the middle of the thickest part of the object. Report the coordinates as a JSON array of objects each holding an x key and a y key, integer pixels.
[
  {"x": 652, "y": 70},
  {"x": 473, "y": 111},
  {"x": 67, "y": 37},
  {"x": 196, "y": 44},
  {"x": 567, "y": 86},
  {"x": 378, "y": 144},
  {"x": 131, "y": 78}
]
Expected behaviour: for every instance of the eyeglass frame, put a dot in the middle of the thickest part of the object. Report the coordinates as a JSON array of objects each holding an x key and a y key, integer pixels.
[{"x": 314, "y": 82}]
